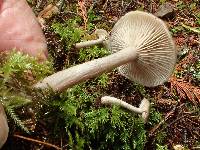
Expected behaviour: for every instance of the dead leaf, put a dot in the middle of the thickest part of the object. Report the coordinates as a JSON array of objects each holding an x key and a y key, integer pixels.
[
  {"x": 83, "y": 13},
  {"x": 185, "y": 90},
  {"x": 47, "y": 13},
  {"x": 165, "y": 11}
]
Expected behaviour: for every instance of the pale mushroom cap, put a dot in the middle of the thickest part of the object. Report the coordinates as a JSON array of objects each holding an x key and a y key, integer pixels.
[
  {"x": 150, "y": 37},
  {"x": 101, "y": 33},
  {"x": 3, "y": 126}
]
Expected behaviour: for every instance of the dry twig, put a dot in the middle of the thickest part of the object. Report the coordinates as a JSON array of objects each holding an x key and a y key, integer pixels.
[
  {"x": 37, "y": 141},
  {"x": 82, "y": 6},
  {"x": 170, "y": 114}
]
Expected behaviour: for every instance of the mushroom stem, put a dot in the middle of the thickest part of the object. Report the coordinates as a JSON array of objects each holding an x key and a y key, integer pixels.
[
  {"x": 101, "y": 33},
  {"x": 89, "y": 43},
  {"x": 76, "y": 74},
  {"x": 144, "y": 108},
  {"x": 116, "y": 101}
]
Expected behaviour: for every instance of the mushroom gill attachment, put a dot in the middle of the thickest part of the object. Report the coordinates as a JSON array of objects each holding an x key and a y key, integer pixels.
[
  {"x": 155, "y": 48},
  {"x": 3, "y": 127}
]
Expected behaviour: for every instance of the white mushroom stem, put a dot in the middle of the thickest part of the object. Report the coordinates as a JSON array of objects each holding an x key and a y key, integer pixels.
[
  {"x": 89, "y": 43},
  {"x": 101, "y": 33},
  {"x": 144, "y": 108},
  {"x": 74, "y": 75},
  {"x": 116, "y": 101}
]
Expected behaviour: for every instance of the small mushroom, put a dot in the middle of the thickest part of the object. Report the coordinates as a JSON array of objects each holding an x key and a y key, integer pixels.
[
  {"x": 102, "y": 35},
  {"x": 3, "y": 127},
  {"x": 142, "y": 48},
  {"x": 143, "y": 109}
]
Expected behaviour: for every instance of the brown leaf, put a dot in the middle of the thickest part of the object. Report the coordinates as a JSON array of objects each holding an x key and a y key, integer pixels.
[
  {"x": 185, "y": 89},
  {"x": 47, "y": 13}
]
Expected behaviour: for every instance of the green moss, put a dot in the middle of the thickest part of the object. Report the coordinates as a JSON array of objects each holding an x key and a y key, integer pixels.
[
  {"x": 160, "y": 147},
  {"x": 87, "y": 54},
  {"x": 18, "y": 73},
  {"x": 69, "y": 32}
]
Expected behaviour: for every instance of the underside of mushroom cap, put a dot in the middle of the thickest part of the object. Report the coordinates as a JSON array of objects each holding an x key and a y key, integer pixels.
[{"x": 155, "y": 48}]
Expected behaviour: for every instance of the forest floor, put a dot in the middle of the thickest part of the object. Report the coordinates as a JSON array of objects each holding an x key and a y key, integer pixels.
[{"x": 177, "y": 100}]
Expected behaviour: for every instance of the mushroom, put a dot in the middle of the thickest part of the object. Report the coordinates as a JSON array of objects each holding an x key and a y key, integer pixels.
[
  {"x": 102, "y": 38},
  {"x": 142, "y": 48},
  {"x": 3, "y": 127},
  {"x": 143, "y": 109}
]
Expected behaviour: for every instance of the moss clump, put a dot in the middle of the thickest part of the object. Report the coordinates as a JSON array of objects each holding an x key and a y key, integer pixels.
[{"x": 18, "y": 73}]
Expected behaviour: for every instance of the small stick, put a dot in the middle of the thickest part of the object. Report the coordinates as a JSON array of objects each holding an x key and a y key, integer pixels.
[
  {"x": 161, "y": 122},
  {"x": 168, "y": 115},
  {"x": 37, "y": 141}
]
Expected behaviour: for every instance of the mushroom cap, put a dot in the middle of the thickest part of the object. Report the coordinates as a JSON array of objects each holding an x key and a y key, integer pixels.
[
  {"x": 103, "y": 34},
  {"x": 149, "y": 36},
  {"x": 3, "y": 126}
]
